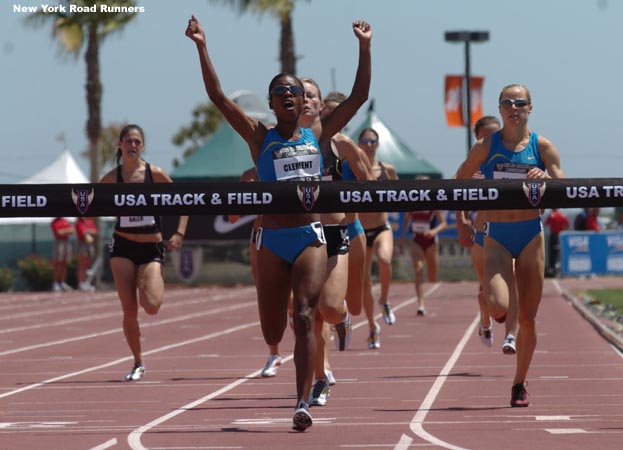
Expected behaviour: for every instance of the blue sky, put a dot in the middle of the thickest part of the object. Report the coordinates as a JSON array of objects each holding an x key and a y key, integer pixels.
[{"x": 566, "y": 51}]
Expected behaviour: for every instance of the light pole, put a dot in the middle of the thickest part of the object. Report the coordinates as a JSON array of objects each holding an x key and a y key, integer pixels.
[{"x": 467, "y": 37}]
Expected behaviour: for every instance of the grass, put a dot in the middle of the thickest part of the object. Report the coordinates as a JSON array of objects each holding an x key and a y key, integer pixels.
[{"x": 612, "y": 297}]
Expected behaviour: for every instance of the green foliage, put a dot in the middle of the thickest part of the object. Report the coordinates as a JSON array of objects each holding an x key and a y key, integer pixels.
[
  {"x": 37, "y": 272},
  {"x": 6, "y": 278},
  {"x": 612, "y": 297},
  {"x": 109, "y": 141},
  {"x": 206, "y": 119}
]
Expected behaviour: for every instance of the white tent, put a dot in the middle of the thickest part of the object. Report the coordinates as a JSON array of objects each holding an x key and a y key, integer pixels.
[{"x": 63, "y": 169}]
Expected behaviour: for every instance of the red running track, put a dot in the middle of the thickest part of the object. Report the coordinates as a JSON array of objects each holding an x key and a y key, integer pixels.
[{"x": 432, "y": 384}]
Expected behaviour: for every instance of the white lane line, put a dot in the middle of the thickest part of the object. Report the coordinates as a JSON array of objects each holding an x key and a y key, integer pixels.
[
  {"x": 105, "y": 445},
  {"x": 404, "y": 443},
  {"x": 118, "y": 361},
  {"x": 565, "y": 430},
  {"x": 417, "y": 422},
  {"x": 119, "y": 330},
  {"x": 134, "y": 438}
]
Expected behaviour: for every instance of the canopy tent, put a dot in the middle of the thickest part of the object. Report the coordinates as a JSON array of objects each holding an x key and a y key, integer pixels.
[
  {"x": 392, "y": 150},
  {"x": 63, "y": 169},
  {"x": 225, "y": 155}
]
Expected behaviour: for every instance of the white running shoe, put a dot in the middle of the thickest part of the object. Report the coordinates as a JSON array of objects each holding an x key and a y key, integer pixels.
[
  {"x": 421, "y": 311},
  {"x": 136, "y": 373},
  {"x": 509, "y": 348},
  {"x": 486, "y": 335},
  {"x": 388, "y": 314},
  {"x": 319, "y": 393},
  {"x": 302, "y": 419},
  {"x": 272, "y": 365},
  {"x": 84, "y": 286},
  {"x": 56, "y": 287},
  {"x": 330, "y": 377},
  {"x": 66, "y": 287},
  {"x": 374, "y": 340}
]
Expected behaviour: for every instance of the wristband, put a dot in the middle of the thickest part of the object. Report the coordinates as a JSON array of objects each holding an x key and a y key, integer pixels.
[{"x": 181, "y": 234}]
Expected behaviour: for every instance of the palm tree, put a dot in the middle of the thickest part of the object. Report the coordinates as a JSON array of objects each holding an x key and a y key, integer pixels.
[
  {"x": 75, "y": 30},
  {"x": 282, "y": 10}
]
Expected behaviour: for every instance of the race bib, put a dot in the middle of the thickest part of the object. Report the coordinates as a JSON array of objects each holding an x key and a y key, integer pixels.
[
  {"x": 420, "y": 227},
  {"x": 509, "y": 170},
  {"x": 137, "y": 221},
  {"x": 297, "y": 163}
]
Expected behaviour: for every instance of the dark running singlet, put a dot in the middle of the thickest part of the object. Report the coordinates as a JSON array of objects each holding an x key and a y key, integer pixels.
[
  {"x": 138, "y": 224},
  {"x": 333, "y": 166}
]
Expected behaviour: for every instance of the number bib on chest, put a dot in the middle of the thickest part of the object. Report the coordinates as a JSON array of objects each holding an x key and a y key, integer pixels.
[
  {"x": 511, "y": 170},
  {"x": 420, "y": 227},
  {"x": 137, "y": 221},
  {"x": 298, "y": 163}
]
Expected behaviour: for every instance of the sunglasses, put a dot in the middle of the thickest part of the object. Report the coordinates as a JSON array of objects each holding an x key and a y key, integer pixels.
[
  {"x": 283, "y": 88},
  {"x": 368, "y": 141},
  {"x": 519, "y": 103}
]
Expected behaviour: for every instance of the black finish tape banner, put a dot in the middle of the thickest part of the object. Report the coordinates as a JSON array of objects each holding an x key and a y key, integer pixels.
[{"x": 201, "y": 198}]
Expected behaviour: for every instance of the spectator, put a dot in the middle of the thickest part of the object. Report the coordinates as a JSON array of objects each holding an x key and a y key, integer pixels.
[
  {"x": 86, "y": 230},
  {"x": 579, "y": 223},
  {"x": 592, "y": 221},
  {"x": 62, "y": 229},
  {"x": 557, "y": 222}
]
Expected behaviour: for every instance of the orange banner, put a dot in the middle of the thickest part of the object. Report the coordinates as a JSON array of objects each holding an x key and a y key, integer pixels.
[
  {"x": 475, "y": 86},
  {"x": 454, "y": 100}
]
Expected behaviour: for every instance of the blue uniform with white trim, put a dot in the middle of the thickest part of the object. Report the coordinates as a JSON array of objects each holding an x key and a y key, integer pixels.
[
  {"x": 502, "y": 163},
  {"x": 283, "y": 160}
]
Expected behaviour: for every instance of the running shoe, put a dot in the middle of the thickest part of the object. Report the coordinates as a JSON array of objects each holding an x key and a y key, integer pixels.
[
  {"x": 421, "y": 311},
  {"x": 519, "y": 396},
  {"x": 319, "y": 393},
  {"x": 272, "y": 365},
  {"x": 302, "y": 419},
  {"x": 509, "y": 348},
  {"x": 330, "y": 378},
  {"x": 486, "y": 335},
  {"x": 374, "y": 340},
  {"x": 343, "y": 332},
  {"x": 388, "y": 315},
  {"x": 66, "y": 287},
  {"x": 137, "y": 372}
]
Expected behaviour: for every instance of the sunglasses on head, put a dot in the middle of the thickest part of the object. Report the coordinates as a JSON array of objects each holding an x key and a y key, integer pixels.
[
  {"x": 368, "y": 140},
  {"x": 283, "y": 88},
  {"x": 519, "y": 103}
]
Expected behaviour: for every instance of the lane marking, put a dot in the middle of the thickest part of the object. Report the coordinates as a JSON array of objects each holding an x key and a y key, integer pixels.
[
  {"x": 134, "y": 438},
  {"x": 131, "y": 358},
  {"x": 417, "y": 422},
  {"x": 120, "y": 330},
  {"x": 105, "y": 445},
  {"x": 565, "y": 430},
  {"x": 552, "y": 418},
  {"x": 404, "y": 443}
]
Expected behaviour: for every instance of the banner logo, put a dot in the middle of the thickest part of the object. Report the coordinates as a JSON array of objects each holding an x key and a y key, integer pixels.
[
  {"x": 308, "y": 196},
  {"x": 534, "y": 192},
  {"x": 82, "y": 198}
]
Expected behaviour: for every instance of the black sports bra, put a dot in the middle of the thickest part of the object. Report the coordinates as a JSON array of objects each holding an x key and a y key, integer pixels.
[{"x": 138, "y": 224}]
